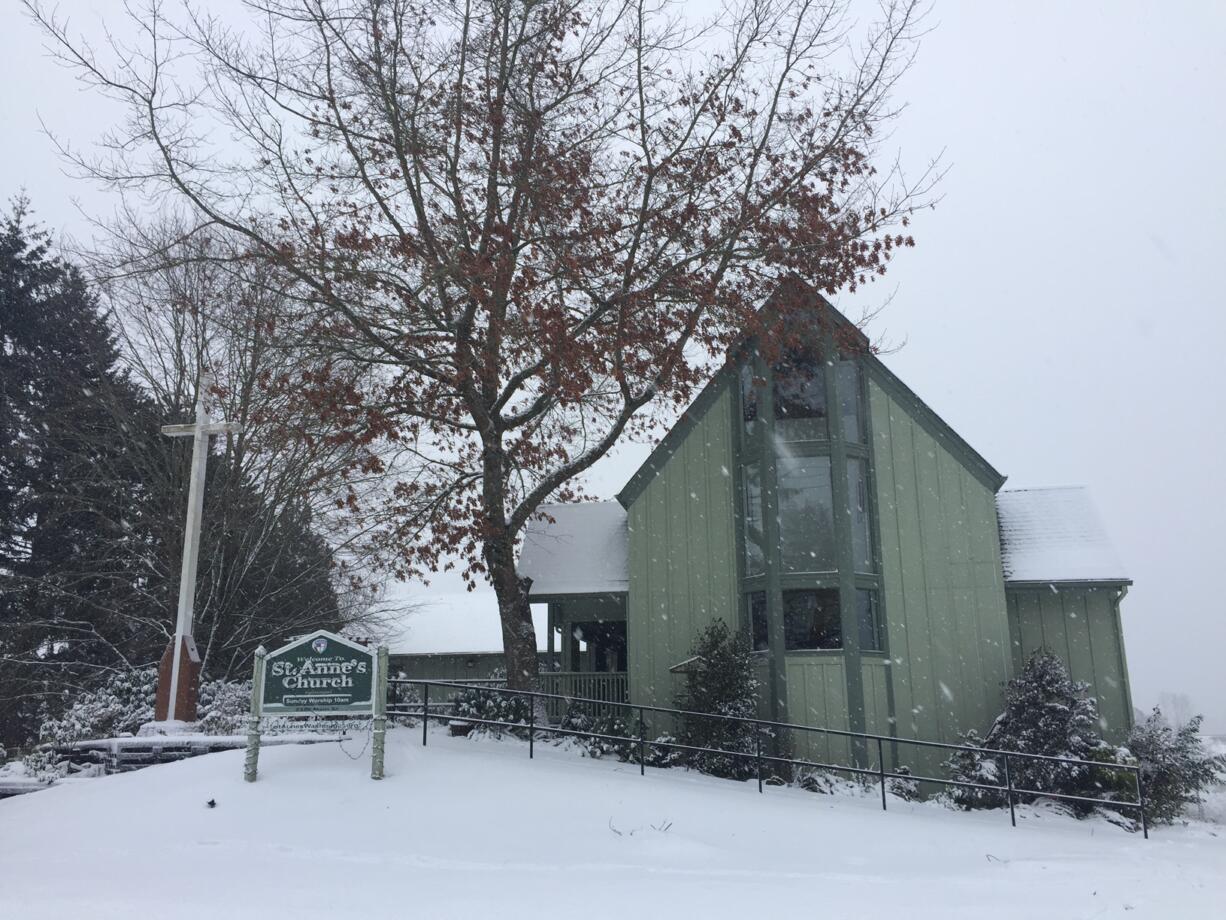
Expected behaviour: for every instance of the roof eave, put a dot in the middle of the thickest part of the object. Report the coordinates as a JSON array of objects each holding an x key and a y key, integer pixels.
[
  {"x": 668, "y": 445},
  {"x": 1119, "y": 581},
  {"x": 557, "y": 597},
  {"x": 940, "y": 429}
]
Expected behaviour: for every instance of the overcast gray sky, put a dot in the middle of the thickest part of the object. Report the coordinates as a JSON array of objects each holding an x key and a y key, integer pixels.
[{"x": 1063, "y": 309}]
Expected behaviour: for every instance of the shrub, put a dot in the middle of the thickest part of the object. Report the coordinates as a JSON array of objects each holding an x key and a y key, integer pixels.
[
  {"x": 903, "y": 786},
  {"x": 485, "y": 703},
  {"x": 723, "y": 683},
  {"x": 823, "y": 783},
  {"x": 605, "y": 724},
  {"x": 223, "y": 706},
  {"x": 972, "y": 766},
  {"x": 118, "y": 706},
  {"x": 1175, "y": 767},
  {"x": 45, "y": 766},
  {"x": 404, "y": 697},
  {"x": 1046, "y": 712}
]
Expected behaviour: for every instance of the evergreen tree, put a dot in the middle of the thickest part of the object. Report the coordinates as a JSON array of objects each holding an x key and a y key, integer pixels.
[
  {"x": 720, "y": 682},
  {"x": 92, "y": 499},
  {"x": 63, "y": 478},
  {"x": 1175, "y": 766},
  {"x": 1046, "y": 712}
]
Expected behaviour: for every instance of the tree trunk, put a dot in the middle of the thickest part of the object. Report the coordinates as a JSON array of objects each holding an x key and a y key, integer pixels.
[{"x": 518, "y": 633}]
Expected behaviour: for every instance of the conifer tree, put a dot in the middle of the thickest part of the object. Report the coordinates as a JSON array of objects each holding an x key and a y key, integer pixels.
[
  {"x": 91, "y": 511},
  {"x": 1046, "y": 712},
  {"x": 721, "y": 681},
  {"x": 63, "y": 479},
  {"x": 1175, "y": 766}
]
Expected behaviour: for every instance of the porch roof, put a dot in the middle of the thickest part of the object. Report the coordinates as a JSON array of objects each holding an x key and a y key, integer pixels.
[
  {"x": 1054, "y": 534},
  {"x": 581, "y": 550}
]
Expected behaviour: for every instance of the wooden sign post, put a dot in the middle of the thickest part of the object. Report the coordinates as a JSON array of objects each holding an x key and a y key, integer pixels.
[{"x": 322, "y": 674}]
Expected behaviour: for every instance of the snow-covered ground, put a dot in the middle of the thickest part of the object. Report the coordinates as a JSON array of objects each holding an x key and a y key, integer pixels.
[{"x": 472, "y": 828}]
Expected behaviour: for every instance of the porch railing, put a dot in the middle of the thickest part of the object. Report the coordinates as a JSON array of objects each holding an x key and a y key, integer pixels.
[{"x": 594, "y": 689}]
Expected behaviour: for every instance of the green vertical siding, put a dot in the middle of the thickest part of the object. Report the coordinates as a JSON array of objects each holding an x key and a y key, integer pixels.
[
  {"x": 946, "y": 620},
  {"x": 817, "y": 695},
  {"x": 876, "y": 697},
  {"x": 683, "y": 564},
  {"x": 1081, "y": 625},
  {"x": 761, "y": 673}
]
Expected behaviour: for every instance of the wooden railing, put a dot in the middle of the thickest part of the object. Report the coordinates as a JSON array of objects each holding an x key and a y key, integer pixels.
[{"x": 605, "y": 686}]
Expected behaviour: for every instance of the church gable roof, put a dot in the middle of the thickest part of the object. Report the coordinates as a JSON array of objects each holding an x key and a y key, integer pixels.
[{"x": 899, "y": 391}]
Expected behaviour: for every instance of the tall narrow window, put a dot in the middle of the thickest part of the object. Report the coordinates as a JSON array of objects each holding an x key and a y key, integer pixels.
[
  {"x": 857, "y": 498},
  {"x": 800, "y": 398},
  {"x": 749, "y": 397},
  {"x": 806, "y": 515},
  {"x": 851, "y": 410},
  {"x": 755, "y": 563},
  {"x": 811, "y": 620},
  {"x": 872, "y": 638},
  {"x": 810, "y": 427},
  {"x": 759, "y": 635}
]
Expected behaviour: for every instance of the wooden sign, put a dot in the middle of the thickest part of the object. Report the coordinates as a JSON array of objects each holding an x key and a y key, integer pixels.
[{"x": 320, "y": 674}]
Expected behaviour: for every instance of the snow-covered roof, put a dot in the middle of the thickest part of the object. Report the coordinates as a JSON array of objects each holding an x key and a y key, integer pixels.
[
  {"x": 452, "y": 623},
  {"x": 1054, "y": 535},
  {"x": 582, "y": 550}
]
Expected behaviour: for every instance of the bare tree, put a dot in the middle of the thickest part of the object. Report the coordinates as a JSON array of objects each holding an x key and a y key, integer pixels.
[
  {"x": 185, "y": 304},
  {"x": 520, "y": 228}
]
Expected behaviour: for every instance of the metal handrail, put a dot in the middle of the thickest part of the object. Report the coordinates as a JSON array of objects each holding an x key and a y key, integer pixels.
[{"x": 641, "y": 740}]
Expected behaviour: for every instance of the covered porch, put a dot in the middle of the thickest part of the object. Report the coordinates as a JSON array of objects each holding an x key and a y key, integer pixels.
[
  {"x": 587, "y": 640},
  {"x": 580, "y": 575}
]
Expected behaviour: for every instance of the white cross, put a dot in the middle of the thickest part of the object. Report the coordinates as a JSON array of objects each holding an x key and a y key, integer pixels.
[{"x": 200, "y": 431}]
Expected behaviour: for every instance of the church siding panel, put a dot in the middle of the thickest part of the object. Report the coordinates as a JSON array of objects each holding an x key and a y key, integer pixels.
[
  {"x": 817, "y": 696},
  {"x": 938, "y": 527},
  {"x": 1080, "y": 624},
  {"x": 683, "y": 566}
]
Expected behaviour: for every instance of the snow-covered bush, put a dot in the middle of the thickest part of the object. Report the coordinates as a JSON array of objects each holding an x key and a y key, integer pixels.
[
  {"x": 658, "y": 755},
  {"x": 610, "y": 724},
  {"x": 1046, "y": 712},
  {"x": 117, "y": 706},
  {"x": 222, "y": 707},
  {"x": 403, "y": 699},
  {"x": 617, "y": 726},
  {"x": 972, "y": 766},
  {"x": 820, "y": 781},
  {"x": 722, "y": 683},
  {"x": 486, "y": 703},
  {"x": 125, "y": 700},
  {"x": 1175, "y": 766},
  {"x": 903, "y": 786},
  {"x": 45, "y": 766}
]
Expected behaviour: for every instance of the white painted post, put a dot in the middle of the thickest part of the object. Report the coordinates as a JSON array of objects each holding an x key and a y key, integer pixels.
[
  {"x": 252, "y": 761},
  {"x": 380, "y": 715},
  {"x": 200, "y": 431}
]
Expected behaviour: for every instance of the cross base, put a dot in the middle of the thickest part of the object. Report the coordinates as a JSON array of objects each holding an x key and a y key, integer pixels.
[{"x": 188, "y": 684}]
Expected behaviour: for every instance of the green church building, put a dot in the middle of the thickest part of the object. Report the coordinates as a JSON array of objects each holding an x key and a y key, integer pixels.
[{"x": 887, "y": 581}]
